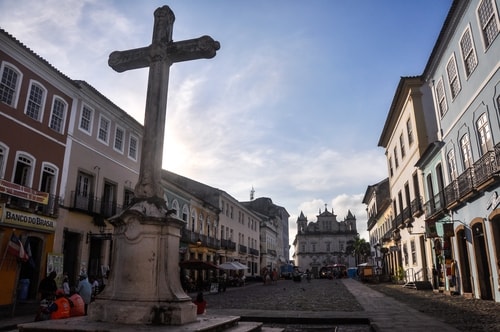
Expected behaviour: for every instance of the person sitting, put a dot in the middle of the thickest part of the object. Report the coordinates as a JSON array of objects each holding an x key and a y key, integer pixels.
[
  {"x": 60, "y": 308},
  {"x": 201, "y": 304},
  {"x": 78, "y": 308}
]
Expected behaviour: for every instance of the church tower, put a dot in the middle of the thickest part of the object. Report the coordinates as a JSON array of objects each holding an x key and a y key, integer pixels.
[{"x": 301, "y": 223}]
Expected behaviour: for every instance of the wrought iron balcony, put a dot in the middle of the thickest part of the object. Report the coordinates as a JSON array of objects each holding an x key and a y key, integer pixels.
[
  {"x": 242, "y": 249},
  {"x": 253, "y": 252},
  {"x": 417, "y": 207},
  {"x": 51, "y": 209},
  {"x": 89, "y": 204}
]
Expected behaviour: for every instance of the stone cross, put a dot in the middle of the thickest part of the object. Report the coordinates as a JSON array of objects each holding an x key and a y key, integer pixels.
[{"x": 158, "y": 56}]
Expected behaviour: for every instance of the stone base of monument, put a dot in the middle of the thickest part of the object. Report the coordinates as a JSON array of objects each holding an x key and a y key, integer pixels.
[{"x": 205, "y": 323}]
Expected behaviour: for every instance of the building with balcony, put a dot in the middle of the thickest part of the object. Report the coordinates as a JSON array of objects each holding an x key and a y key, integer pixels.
[
  {"x": 36, "y": 101},
  {"x": 324, "y": 242},
  {"x": 383, "y": 237},
  {"x": 462, "y": 168},
  {"x": 409, "y": 130},
  {"x": 218, "y": 227},
  {"x": 100, "y": 172}
]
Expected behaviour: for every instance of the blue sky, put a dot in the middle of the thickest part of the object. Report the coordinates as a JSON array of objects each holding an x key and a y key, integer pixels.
[{"x": 293, "y": 104}]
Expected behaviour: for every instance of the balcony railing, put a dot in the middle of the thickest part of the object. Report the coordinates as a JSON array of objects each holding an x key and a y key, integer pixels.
[
  {"x": 242, "y": 249},
  {"x": 484, "y": 172},
  {"x": 253, "y": 252},
  {"x": 51, "y": 209},
  {"x": 92, "y": 205},
  {"x": 417, "y": 207}
]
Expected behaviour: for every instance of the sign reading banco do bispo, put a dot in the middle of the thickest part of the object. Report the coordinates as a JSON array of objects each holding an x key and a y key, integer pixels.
[{"x": 27, "y": 220}]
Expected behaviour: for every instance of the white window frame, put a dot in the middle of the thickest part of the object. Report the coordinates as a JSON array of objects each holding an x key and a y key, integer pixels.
[
  {"x": 32, "y": 159},
  {"x": 484, "y": 133},
  {"x": 452, "y": 164},
  {"x": 3, "y": 158},
  {"x": 493, "y": 18},
  {"x": 64, "y": 112},
  {"x": 452, "y": 64},
  {"x": 122, "y": 148},
  {"x": 41, "y": 106},
  {"x": 101, "y": 129},
  {"x": 466, "y": 151},
  {"x": 15, "y": 97},
  {"x": 130, "y": 139},
  {"x": 469, "y": 59},
  {"x": 55, "y": 173},
  {"x": 441, "y": 97},
  {"x": 90, "y": 120}
]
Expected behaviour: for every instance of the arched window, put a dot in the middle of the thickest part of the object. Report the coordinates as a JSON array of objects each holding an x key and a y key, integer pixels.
[
  {"x": 36, "y": 101},
  {"x": 23, "y": 174},
  {"x": 175, "y": 206},
  {"x": 185, "y": 213},
  {"x": 201, "y": 220}
]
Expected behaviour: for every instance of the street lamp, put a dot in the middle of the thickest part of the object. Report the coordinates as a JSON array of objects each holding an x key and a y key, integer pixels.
[{"x": 410, "y": 230}]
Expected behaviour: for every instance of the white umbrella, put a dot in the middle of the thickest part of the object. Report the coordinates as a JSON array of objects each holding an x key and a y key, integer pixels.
[
  {"x": 232, "y": 266},
  {"x": 229, "y": 266}
]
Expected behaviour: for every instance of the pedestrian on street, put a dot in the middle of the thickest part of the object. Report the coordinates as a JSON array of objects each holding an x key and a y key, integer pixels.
[
  {"x": 48, "y": 286},
  {"x": 84, "y": 288},
  {"x": 201, "y": 304}
]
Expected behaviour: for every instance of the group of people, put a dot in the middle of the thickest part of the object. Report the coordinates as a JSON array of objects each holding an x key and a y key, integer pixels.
[
  {"x": 269, "y": 277},
  {"x": 58, "y": 303}
]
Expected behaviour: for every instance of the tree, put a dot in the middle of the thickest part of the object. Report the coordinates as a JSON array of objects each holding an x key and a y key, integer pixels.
[{"x": 359, "y": 248}]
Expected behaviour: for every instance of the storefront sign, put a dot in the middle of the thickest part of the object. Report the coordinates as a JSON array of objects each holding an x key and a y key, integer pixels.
[
  {"x": 26, "y": 193},
  {"x": 27, "y": 220}
]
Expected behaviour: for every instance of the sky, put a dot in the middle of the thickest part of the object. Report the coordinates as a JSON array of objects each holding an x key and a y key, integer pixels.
[{"x": 293, "y": 104}]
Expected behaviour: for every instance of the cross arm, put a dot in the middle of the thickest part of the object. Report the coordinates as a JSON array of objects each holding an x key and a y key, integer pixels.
[
  {"x": 191, "y": 49},
  {"x": 136, "y": 58}
]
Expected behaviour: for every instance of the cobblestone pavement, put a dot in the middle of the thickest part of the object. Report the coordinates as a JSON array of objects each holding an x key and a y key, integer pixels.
[
  {"x": 318, "y": 295},
  {"x": 331, "y": 295},
  {"x": 462, "y": 313}
]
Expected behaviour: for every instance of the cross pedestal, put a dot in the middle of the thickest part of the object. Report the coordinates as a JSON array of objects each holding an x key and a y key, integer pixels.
[{"x": 144, "y": 285}]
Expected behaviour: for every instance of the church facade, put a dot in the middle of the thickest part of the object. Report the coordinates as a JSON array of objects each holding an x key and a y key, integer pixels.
[{"x": 324, "y": 242}]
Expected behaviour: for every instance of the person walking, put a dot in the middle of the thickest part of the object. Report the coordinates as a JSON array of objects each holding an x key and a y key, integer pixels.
[
  {"x": 201, "y": 304},
  {"x": 84, "y": 288}
]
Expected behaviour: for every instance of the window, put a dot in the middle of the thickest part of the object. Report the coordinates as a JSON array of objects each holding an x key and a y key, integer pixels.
[
  {"x": 3, "y": 159},
  {"x": 201, "y": 221},
  {"x": 86, "y": 118},
  {"x": 24, "y": 170},
  {"x": 9, "y": 85},
  {"x": 108, "y": 199},
  {"x": 483, "y": 129},
  {"x": 396, "y": 161},
  {"x": 84, "y": 195},
  {"x": 413, "y": 249},
  {"x": 103, "y": 133},
  {"x": 132, "y": 147},
  {"x": 175, "y": 206},
  {"x": 466, "y": 151},
  {"x": 453, "y": 80},
  {"x": 58, "y": 115},
  {"x": 128, "y": 197},
  {"x": 185, "y": 213},
  {"x": 468, "y": 52},
  {"x": 409, "y": 131},
  {"x": 488, "y": 18},
  {"x": 49, "y": 176},
  {"x": 452, "y": 164},
  {"x": 441, "y": 97},
  {"x": 36, "y": 100},
  {"x": 402, "y": 145},
  {"x": 193, "y": 220},
  {"x": 119, "y": 139},
  {"x": 391, "y": 170}
]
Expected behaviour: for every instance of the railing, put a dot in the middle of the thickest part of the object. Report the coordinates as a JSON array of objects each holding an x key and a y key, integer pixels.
[
  {"x": 465, "y": 182},
  {"x": 51, "y": 209},
  {"x": 253, "y": 252},
  {"x": 416, "y": 207},
  {"x": 92, "y": 205},
  {"x": 271, "y": 252},
  {"x": 227, "y": 244},
  {"x": 486, "y": 166},
  {"x": 242, "y": 249}
]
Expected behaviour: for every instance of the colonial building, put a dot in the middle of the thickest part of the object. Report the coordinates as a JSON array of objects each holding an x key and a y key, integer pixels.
[
  {"x": 274, "y": 245},
  {"x": 324, "y": 242},
  {"x": 228, "y": 230},
  {"x": 35, "y": 105},
  {"x": 379, "y": 209},
  {"x": 461, "y": 170},
  {"x": 410, "y": 128},
  {"x": 68, "y": 161}
]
